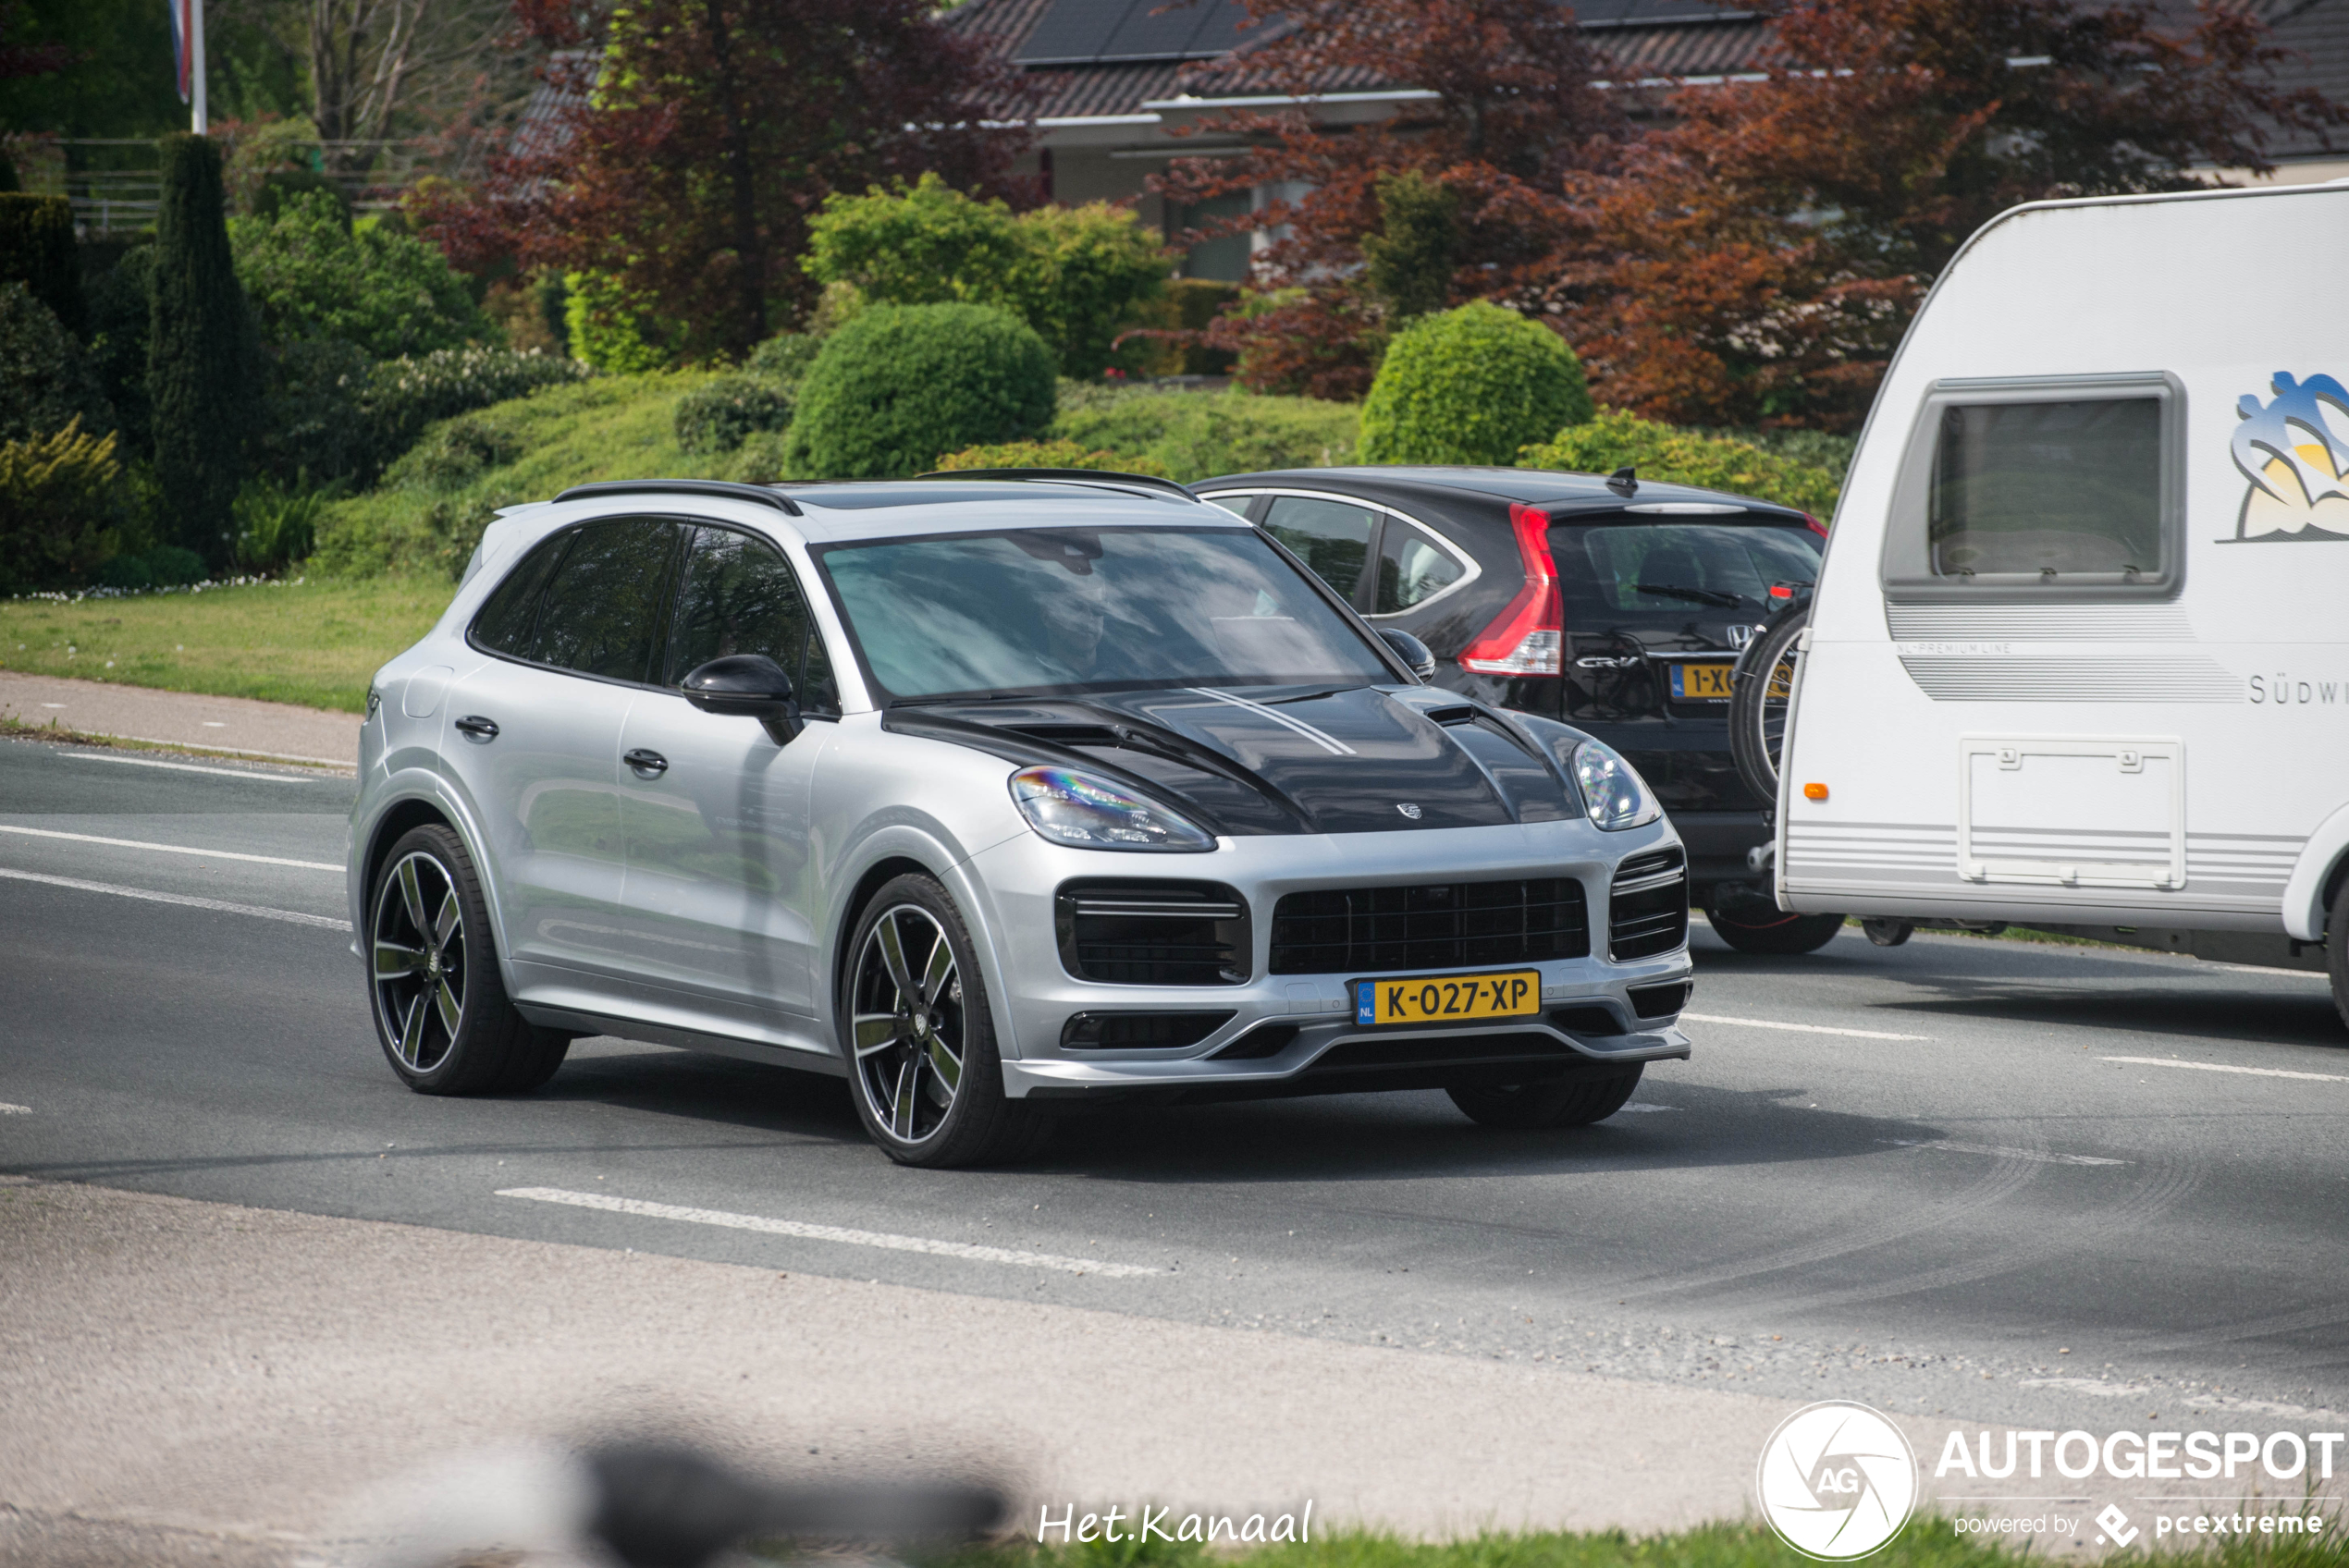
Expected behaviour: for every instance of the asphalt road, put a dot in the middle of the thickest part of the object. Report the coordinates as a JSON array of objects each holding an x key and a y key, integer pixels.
[{"x": 1959, "y": 1204}]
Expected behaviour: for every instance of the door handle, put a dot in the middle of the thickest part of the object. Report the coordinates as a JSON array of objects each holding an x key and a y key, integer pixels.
[
  {"x": 651, "y": 764},
  {"x": 474, "y": 727}
]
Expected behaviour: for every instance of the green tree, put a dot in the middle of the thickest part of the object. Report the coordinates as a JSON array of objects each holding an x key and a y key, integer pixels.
[
  {"x": 47, "y": 381},
  {"x": 201, "y": 356},
  {"x": 1471, "y": 385},
  {"x": 1076, "y": 275},
  {"x": 901, "y": 385},
  {"x": 309, "y": 275},
  {"x": 37, "y": 250},
  {"x": 1412, "y": 257}
]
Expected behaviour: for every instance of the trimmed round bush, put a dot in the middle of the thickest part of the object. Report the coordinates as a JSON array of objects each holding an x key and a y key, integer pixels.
[
  {"x": 720, "y": 415},
  {"x": 1471, "y": 385},
  {"x": 899, "y": 384}
]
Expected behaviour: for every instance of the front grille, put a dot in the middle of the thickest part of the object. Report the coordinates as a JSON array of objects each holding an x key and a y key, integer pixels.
[
  {"x": 1153, "y": 933},
  {"x": 1647, "y": 907},
  {"x": 1443, "y": 926}
]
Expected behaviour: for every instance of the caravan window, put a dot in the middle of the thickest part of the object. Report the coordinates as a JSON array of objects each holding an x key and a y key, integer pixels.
[
  {"x": 2044, "y": 488},
  {"x": 2055, "y": 487}
]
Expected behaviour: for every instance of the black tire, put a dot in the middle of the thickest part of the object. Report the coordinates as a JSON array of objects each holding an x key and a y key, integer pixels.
[
  {"x": 1782, "y": 938},
  {"x": 435, "y": 991},
  {"x": 1565, "y": 1102},
  {"x": 919, "y": 1037},
  {"x": 2337, "y": 951},
  {"x": 1887, "y": 932},
  {"x": 1761, "y": 695}
]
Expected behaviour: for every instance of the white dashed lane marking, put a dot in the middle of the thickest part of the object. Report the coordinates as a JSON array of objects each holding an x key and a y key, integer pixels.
[
  {"x": 829, "y": 1232},
  {"x": 187, "y": 901},
  {"x": 2223, "y": 1066},
  {"x": 169, "y": 849},
  {"x": 1799, "y": 1028},
  {"x": 7, "y": 1109}
]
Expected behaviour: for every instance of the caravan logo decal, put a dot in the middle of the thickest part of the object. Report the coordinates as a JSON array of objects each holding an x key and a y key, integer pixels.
[{"x": 2297, "y": 457}]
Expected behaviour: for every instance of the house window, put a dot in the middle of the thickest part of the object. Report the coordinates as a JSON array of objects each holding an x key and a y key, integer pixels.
[{"x": 1223, "y": 258}]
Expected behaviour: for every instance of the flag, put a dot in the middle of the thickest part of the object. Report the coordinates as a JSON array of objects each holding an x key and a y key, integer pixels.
[{"x": 182, "y": 36}]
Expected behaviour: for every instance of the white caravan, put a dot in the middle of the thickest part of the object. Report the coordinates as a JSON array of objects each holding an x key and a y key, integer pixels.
[{"x": 2078, "y": 654}]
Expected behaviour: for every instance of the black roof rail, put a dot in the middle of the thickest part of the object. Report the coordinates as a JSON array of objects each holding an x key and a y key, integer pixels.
[
  {"x": 1080, "y": 475},
  {"x": 726, "y": 488}
]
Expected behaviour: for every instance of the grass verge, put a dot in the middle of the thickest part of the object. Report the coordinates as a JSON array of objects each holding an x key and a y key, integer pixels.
[
  {"x": 1926, "y": 1543},
  {"x": 308, "y": 641}
]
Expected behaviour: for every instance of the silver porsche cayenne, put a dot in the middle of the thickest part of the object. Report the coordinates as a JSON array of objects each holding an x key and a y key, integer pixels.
[{"x": 992, "y": 795}]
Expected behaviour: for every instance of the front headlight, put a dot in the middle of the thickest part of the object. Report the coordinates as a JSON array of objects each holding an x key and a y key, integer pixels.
[
  {"x": 1089, "y": 812},
  {"x": 1613, "y": 791}
]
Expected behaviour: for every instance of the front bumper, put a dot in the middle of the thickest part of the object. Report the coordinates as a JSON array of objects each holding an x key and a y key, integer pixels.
[{"x": 1588, "y": 1023}]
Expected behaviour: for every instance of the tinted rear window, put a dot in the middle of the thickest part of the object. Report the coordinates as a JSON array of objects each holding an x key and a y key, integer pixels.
[
  {"x": 511, "y": 614},
  {"x": 1658, "y": 575}
]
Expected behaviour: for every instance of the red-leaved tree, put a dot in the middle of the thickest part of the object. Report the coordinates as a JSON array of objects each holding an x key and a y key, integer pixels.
[
  {"x": 1755, "y": 262},
  {"x": 697, "y": 136},
  {"x": 1514, "y": 112}
]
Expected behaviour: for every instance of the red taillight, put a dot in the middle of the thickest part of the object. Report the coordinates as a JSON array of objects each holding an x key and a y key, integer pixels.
[
  {"x": 1781, "y": 590},
  {"x": 1527, "y": 638},
  {"x": 1816, "y": 525}
]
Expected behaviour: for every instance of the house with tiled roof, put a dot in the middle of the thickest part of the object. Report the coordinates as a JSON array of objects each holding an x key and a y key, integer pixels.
[{"x": 1110, "y": 82}]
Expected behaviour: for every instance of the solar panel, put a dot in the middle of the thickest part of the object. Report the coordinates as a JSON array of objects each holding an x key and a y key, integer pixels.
[{"x": 1104, "y": 32}]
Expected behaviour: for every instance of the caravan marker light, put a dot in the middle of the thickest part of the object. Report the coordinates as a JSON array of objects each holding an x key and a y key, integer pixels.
[{"x": 1814, "y": 791}]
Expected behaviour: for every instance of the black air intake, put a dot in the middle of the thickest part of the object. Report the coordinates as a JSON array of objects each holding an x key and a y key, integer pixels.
[
  {"x": 1153, "y": 933},
  {"x": 1647, "y": 906},
  {"x": 1139, "y": 1030},
  {"x": 1443, "y": 925}
]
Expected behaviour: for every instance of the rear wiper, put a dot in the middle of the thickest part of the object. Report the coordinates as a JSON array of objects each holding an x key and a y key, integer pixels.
[{"x": 1694, "y": 596}]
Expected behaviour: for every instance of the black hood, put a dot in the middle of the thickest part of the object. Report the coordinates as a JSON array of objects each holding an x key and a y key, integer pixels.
[{"x": 1286, "y": 759}]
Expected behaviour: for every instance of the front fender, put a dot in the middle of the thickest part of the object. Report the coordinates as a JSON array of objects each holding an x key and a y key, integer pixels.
[{"x": 417, "y": 783}]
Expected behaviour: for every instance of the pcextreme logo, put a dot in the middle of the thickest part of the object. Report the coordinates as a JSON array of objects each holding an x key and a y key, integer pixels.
[
  {"x": 1836, "y": 1480},
  {"x": 2297, "y": 457}
]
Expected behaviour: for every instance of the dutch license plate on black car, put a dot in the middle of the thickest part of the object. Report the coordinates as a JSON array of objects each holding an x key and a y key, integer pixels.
[
  {"x": 1701, "y": 682},
  {"x": 1448, "y": 999}
]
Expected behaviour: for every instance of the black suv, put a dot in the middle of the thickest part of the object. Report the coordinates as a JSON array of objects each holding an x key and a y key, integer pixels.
[{"x": 1617, "y": 606}]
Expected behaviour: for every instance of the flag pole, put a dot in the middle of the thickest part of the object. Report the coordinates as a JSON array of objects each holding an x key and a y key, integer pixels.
[{"x": 195, "y": 66}]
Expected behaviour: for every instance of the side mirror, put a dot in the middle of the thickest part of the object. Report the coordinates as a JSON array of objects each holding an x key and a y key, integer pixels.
[
  {"x": 1412, "y": 650},
  {"x": 746, "y": 686}
]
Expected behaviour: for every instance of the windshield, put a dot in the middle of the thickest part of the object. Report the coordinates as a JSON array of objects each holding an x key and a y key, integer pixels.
[
  {"x": 1044, "y": 610},
  {"x": 1653, "y": 577}
]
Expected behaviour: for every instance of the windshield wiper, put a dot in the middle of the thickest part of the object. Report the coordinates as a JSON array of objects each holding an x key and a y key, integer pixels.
[
  {"x": 1694, "y": 596},
  {"x": 967, "y": 697}
]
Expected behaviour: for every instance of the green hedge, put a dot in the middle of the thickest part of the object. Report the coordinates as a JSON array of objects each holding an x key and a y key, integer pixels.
[
  {"x": 1615, "y": 439},
  {"x": 1470, "y": 385},
  {"x": 1052, "y": 454},
  {"x": 37, "y": 250},
  {"x": 1199, "y": 434},
  {"x": 899, "y": 385}
]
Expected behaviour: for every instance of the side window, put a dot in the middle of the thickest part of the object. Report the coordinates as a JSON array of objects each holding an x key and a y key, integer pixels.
[
  {"x": 741, "y": 596},
  {"x": 1411, "y": 568},
  {"x": 1332, "y": 537},
  {"x": 510, "y": 615},
  {"x": 603, "y": 610},
  {"x": 1237, "y": 503},
  {"x": 2041, "y": 489}
]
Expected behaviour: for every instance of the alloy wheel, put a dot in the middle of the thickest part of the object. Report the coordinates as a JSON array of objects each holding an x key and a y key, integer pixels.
[
  {"x": 417, "y": 960},
  {"x": 908, "y": 1023}
]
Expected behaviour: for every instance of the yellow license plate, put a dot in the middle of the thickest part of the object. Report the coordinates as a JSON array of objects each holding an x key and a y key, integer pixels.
[
  {"x": 1447, "y": 998},
  {"x": 1701, "y": 682}
]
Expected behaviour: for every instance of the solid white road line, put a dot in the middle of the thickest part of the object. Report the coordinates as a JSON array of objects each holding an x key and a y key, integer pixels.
[
  {"x": 189, "y": 768},
  {"x": 1635, "y": 1106},
  {"x": 1950, "y": 1146},
  {"x": 2221, "y": 1067},
  {"x": 7, "y": 1109},
  {"x": 1800, "y": 1028},
  {"x": 219, "y": 906},
  {"x": 827, "y": 1233},
  {"x": 170, "y": 849}
]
